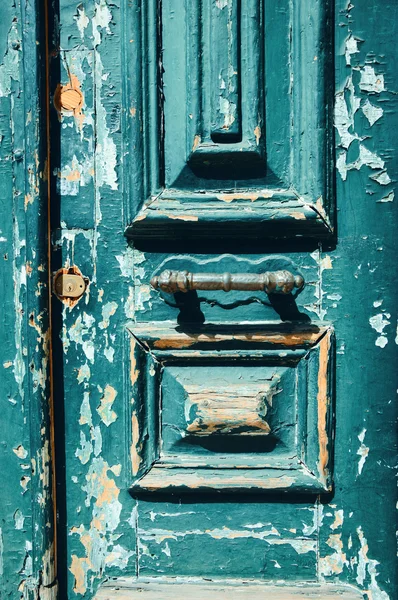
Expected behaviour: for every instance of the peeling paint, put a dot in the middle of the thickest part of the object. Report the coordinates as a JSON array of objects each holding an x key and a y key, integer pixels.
[
  {"x": 371, "y": 112},
  {"x": 370, "y": 82},
  {"x": 365, "y": 564},
  {"x": 335, "y": 563},
  {"x": 9, "y": 68},
  {"x": 363, "y": 451},
  {"x": 97, "y": 540},
  {"x": 104, "y": 410},
  {"x": 108, "y": 310},
  {"x": 378, "y": 323}
]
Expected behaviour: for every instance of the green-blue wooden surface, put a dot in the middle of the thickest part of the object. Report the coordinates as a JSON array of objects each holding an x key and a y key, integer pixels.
[
  {"x": 102, "y": 169},
  {"x": 26, "y": 514},
  {"x": 103, "y": 530}
]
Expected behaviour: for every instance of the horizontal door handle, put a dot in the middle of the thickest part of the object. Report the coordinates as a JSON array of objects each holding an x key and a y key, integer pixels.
[{"x": 272, "y": 282}]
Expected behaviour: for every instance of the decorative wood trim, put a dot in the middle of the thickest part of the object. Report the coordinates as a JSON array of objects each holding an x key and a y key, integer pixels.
[
  {"x": 276, "y": 177},
  {"x": 229, "y": 215},
  {"x": 125, "y": 588},
  {"x": 304, "y": 468}
]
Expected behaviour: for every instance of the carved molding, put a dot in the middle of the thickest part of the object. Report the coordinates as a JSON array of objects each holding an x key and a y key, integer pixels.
[
  {"x": 216, "y": 138},
  {"x": 194, "y": 428}
]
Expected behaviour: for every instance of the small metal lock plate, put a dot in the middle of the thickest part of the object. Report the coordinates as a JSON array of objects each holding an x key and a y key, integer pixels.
[{"x": 69, "y": 285}]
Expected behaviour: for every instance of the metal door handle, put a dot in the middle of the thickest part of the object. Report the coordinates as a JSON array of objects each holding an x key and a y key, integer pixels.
[{"x": 272, "y": 282}]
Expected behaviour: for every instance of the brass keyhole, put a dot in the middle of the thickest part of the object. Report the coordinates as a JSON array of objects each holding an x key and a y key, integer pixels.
[{"x": 69, "y": 285}]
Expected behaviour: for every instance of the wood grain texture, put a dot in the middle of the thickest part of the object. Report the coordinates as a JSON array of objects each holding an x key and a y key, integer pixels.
[
  {"x": 27, "y": 552},
  {"x": 125, "y": 589}
]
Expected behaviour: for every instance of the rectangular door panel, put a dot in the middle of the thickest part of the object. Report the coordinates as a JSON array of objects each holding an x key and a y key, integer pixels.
[
  {"x": 239, "y": 133},
  {"x": 231, "y": 408}
]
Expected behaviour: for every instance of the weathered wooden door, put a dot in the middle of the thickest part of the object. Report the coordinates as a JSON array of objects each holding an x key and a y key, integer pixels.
[
  {"x": 211, "y": 432},
  {"x": 223, "y": 315}
]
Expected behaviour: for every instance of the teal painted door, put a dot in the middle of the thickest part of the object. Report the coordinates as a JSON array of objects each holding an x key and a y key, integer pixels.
[{"x": 215, "y": 418}]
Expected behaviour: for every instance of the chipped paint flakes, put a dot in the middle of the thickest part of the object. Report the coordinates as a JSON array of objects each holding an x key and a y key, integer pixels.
[
  {"x": 382, "y": 178},
  {"x": 18, "y": 519},
  {"x": 372, "y": 113},
  {"x": 363, "y": 451},
  {"x": 105, "y": 152},
  {"x": 104, "y": 410},
  {"x": 370, "y": 82},
  {"x": 228, "y": 110},
  {"x": 344, "y": 113},
  {"x": 86, "y": 448},
  {"x": 83, "y": 373},
  {"x": 9, "y": 68},
  {"x": 129, "y": 308},
  {"x": 389, "y": 198},
  {"x": 74, "y": 175},
  {"x": 365, "y": 158},
  {"x": 378, "y": 323},
  {"x": 301, "y": 545},
  {"x": 135, "y": 448},
  {"x": 81, "y": 329},
  {"x": 367, "y": 566},
  {"x": 381, "y": 341},
  {"x": 108, "y": 310},
  {"x": 351, "y": 47},
  {"x": 142, "y": 297},
  {"x": 101, "y": 20},
  {"x": 118, "y": 557},
  {"x": 20, "y": 451},
  {"x": 333, "y": 564},
  {"x": 82, "y": 20},
  {"x": 338, "y": 520},
  {"x": 96, "y": 540},
  {"x": 85, "y": 411},
  {"x": 126, "y": 263}
]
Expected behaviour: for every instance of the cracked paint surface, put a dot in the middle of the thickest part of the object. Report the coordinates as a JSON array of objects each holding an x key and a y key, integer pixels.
[
  {"x": 352, "y": 543},
  {"x": 106, "y": 532},
  {"x": 27, "y": 567}
]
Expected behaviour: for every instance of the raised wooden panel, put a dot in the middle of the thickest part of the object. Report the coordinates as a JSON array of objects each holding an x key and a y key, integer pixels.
[
  {"x": 231, "y": 119},
  {"x": 231, "y": 407},
  {"x": 126, "y": 588}
]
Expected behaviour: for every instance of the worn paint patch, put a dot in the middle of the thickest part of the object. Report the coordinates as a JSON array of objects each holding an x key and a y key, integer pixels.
[
  {"x": 20, "y": 451},
  {"x": 108, "y": 310},
  {"x": 84, "y": 373},
  {"x": 82, "y": 21},
  {"x": 18, "y": 519},
  {"x": 372, "y": 113},
  {"x": 135, "y": 448},
  {"x": 9, "y": 68},
  {"x": 82, "y": 332},
  {"x": 351, "y": 47},
  {"x": 85, "y": 411},
  {"x": 333, "y": 564},
  {"x": 346, "y": 105},
  {"x": 106, "y": 151},
  {"x": 389, "y": 198},
  {"x": 370, "y": 81},
  {"x": 97, "y": 539},
  {"x": 378, "y": 323},
  {"x": 368, "y": 567},
  {"x": 363, "y": 451},
  {"x": 86, "y": 448},
  {"x": 104, "y": 410}
]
